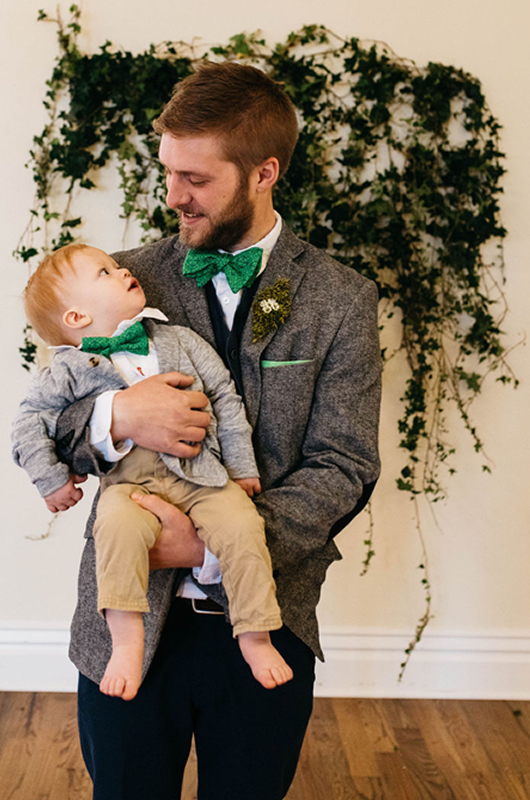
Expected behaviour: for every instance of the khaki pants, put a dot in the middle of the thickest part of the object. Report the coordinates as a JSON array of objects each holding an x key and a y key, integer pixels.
[{"x": 226, "y": 521}]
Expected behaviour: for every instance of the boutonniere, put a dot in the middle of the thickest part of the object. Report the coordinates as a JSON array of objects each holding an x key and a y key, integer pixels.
[{"x": 270, "y": 308}]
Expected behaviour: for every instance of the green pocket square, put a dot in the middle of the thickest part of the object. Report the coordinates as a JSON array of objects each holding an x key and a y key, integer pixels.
[{"x": 267, "y": 364}]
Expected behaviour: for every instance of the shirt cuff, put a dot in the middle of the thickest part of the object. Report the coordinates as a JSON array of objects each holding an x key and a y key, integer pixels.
[
  {"x": 100, "y": 424},
  {"x": 210, "y": 572}
]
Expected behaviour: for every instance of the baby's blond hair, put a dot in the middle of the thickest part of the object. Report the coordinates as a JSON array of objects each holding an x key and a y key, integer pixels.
[{"x": 44, "y": 302}]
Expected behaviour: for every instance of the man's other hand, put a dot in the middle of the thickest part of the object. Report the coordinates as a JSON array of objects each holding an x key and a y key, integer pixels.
[{"x": 178, "y": 544}]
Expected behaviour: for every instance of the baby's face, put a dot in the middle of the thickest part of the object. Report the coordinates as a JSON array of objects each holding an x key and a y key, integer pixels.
[{"x": 104, "y": 291}]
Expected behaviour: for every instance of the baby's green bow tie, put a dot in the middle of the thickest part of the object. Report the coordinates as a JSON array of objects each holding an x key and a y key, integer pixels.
[
  {"x": 240, "y": 270},
  {"x": 133, "y": 340}
]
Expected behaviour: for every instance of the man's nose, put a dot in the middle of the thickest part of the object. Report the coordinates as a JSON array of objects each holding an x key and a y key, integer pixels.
[{"x": 177, "y": 193}]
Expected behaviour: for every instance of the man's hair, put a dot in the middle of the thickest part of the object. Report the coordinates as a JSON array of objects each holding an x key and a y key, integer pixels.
[
  {"x": 251, "y": 113},
  {"x": 44, "y": 302}
]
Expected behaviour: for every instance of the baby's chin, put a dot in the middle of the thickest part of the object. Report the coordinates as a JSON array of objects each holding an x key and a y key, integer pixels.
[{"x": 131, "y": 311}]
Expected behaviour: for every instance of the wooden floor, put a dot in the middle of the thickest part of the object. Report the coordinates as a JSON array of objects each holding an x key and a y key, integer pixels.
[{"x": 355, "y": 750}]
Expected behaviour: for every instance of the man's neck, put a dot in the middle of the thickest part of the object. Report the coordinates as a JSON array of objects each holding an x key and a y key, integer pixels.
[{"x": 262, "y": 225}]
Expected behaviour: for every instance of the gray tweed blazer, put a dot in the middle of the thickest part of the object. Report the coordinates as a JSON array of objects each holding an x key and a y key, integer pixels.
[{"x": 312, "y": 394}]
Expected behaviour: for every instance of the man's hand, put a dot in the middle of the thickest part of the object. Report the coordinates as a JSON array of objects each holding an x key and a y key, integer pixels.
[
  {"x": 156, "y": 414},
  {"x": 251, "y": 486},
  {"x": 178, "y": 544},
  {"x": 67, "y": 496}
]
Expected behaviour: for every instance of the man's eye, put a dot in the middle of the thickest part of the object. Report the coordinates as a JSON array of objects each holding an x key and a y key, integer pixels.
[{"x": 197, "y": 183}]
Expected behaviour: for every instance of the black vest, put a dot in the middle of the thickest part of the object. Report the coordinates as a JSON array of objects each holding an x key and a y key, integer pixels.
[{"x": 228, "y": 341}]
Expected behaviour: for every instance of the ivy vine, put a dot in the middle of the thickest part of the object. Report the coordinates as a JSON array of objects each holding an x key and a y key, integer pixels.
[{"x": 397, "y": 173}]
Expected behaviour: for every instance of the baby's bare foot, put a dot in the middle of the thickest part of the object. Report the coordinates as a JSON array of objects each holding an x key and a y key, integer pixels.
[
  {"x": 123, "y": 674},
  {"x": 266, "y": 663}
]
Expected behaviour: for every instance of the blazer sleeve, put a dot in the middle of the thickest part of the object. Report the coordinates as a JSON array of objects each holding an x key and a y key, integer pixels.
[
  {"x": 34, "y": 428},
  {"x": 339, "y": 457},
  {"x": 233, "y": 429},
  {"x": 63, "y": 392},
  {"x": 34, "y": 450}
]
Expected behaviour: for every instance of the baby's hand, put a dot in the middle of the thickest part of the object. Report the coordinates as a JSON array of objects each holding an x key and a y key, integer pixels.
[
  {"x": 65, "y": 497},
  {"x": 251, "y": 486}
]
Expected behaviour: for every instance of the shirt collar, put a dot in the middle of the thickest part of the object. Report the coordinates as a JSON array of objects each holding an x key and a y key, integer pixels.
[{"x": 145, "y": 313}]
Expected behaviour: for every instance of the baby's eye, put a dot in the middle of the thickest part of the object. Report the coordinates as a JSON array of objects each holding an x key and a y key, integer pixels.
[{"x": 104, "y": 271}]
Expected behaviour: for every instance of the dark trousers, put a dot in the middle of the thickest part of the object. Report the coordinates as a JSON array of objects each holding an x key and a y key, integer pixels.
[{"x": 247, "y": 738}]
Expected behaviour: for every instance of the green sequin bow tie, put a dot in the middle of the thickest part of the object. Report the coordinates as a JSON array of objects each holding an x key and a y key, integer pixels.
[
  {"x": 133, "y": 340},
  {"x": 240, "y": 270}
]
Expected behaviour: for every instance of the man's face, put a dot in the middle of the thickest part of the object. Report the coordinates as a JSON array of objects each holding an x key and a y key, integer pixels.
[
  {"x": 103, "y": 290},
  {"x": 209, "y": 194}
]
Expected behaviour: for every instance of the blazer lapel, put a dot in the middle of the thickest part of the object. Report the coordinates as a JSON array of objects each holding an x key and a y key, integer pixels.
[{"x": 281, "y": 264}]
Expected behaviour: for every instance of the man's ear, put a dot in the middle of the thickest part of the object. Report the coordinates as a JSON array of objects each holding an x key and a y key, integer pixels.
[
  {"x": 76, "y": 319},
  {"x": 267, "y": 174}
]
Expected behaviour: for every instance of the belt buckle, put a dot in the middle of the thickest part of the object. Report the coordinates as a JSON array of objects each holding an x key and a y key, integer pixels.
[{"x": 204, "y": 611}]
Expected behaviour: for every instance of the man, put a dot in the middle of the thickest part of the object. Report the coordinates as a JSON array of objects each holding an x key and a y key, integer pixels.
[{"x": 299, "y": 335}]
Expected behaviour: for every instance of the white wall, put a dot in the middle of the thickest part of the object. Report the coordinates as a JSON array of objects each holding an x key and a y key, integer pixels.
[{"x": 479, "y": 642}]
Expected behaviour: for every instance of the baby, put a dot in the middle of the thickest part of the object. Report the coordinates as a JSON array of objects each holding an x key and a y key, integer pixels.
[{"x": 77, "y": 296}]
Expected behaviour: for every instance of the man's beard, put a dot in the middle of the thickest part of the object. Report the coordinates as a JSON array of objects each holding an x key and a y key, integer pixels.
[{"x": 229, "y": 228}]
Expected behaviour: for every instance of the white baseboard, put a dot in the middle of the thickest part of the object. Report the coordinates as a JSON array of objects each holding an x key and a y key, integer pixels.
[
  {"x": 366, "y": 663},
  {"x": 35, "y": 659},
  {"x": 359, "y": 663}
]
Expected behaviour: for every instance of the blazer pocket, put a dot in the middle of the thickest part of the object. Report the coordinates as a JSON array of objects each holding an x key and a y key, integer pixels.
[{"x": 271, "y": 364}]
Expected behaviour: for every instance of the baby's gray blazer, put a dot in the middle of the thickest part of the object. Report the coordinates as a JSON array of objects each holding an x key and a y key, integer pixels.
[
  {"x": 74, "y": 374},
  {"x": 315, "y": 425}
]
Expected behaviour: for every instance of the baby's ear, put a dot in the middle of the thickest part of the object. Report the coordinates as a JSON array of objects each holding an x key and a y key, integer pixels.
[{"x": 76, "y": 319}]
